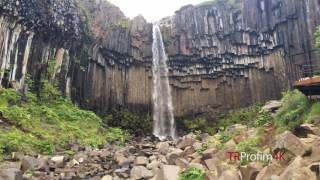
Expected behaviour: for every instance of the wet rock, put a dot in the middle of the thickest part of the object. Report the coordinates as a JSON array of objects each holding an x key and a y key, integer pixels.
[
  {"x": 11, "y": 174},
  {"x": 139, "y": 172}
]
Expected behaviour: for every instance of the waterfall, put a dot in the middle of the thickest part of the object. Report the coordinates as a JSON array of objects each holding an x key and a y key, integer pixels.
[{"x": 163, "y": 118}]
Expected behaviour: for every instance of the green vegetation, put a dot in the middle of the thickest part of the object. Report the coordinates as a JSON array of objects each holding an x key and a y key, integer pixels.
[
  {"x": 295, "y": 105},
  {"x": 47, "y": 124},
  {"x": 122, "y": 23},
  {"x": 317, "y": 36},
  {"x": 192, "y": 173},
  {"x": 246, "y": 116},
  {"x": 314, "y": 113},
  {"x": 232, "y": 4},
  {"x": 135, "y": 123}
]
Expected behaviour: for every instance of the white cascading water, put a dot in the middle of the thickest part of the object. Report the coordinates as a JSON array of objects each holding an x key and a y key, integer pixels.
[{"x": 163, "y": 118}]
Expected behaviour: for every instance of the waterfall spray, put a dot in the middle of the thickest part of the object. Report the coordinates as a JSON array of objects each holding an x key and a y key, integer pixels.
[{"x": 163, "y": 118}]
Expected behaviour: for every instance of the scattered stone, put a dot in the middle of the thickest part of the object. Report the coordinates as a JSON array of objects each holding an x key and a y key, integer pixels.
[
  {"x": 11, "y": 174},
  {"x": 72, "y": 163},
  {"x": 17, "y": 156},
  {"x": 169, "y": 172},
  {"x": 139, "y": 172},
  {"x": 141, "y": 160}
]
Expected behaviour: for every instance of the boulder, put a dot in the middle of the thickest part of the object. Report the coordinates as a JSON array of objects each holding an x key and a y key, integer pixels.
[
  {"x": 186, "y": 141},
  {"x": 251, "y": 170},
  {"x": 272, "y": 105},
  {"x": 173, "y": 155},
  {"x": 212, "y": 163},
  {"x": 11, "y": 174},
  {"x": 141, "y": 160},
  {"x": 139, "y": 172},
  {"x": 169, "y": 172},
  {"x": 291, "y": 143},
  {"x": 182, "y": 163},
  {"x": 107, "y": 177},
  {"x": 298, "y": 170},
  {"x": 230, "y": 174},
  {"x": 29, "y": 162},
  {"x": 209, "y": 153},
  {"x": 310, "y": 129},
  {"x": 270, "y": 170},
  {"x": 163, "y": 147},
  {"x": 58, "y": 160},
  {"x": 153, "y": 165},
  {"x": 188, "y": 151}
]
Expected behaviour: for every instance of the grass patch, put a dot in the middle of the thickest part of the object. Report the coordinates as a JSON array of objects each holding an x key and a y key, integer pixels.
[
  {"x": 192, "y": 173},
  {"x": 314, "y": 113},
  {"x": 294, "y": 106},
  {"x": 50, "y": 123}
]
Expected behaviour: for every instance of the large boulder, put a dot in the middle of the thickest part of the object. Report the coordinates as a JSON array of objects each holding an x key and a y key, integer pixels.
[
  {"x": 230, "y": 174},
  {"x": 163, "y": 147},
  {"x": 140, "y": 172},
  {"x": 141, "y": 160},
  {"x": 173, "y": 155},
  {"x": 250, "y": 171},
  {"x": 292, "y": 143},
  {"x": 270, "y": 170},
  {"x": 298, "y": 170},
  {"x": 107, "y": 177},
  {"x": 310, "y": 129},
  {"x": 10, "y": 174},
  {"x": 169, "y": 172},
  {"x": 272, "y": 105},
  {"x": 186, "y": 141}
]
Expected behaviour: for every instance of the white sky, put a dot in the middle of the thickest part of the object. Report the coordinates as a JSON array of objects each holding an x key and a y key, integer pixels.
[{"x": 152, "y": 10}]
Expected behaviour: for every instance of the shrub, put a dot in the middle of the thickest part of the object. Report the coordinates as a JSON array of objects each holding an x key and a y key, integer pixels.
[
  {"x": 192, "y": 173},
  {"x": 314, "y": 113},
  {"x": 263, "y": 117},
  {"x": 294, "y": 106}
]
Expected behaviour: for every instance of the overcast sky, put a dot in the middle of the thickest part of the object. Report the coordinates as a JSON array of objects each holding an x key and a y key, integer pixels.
[{"x": 152, "y": 10}]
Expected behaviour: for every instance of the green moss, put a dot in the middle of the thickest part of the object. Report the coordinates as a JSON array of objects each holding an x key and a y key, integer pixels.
[
  {"x": 317, "y": 37},
  {"x": 294, "y": 106},
  {"x": 192, "y": 173},
  {"x": 43, "y": 126}
]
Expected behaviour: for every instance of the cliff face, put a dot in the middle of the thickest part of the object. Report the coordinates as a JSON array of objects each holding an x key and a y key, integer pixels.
[{"x": 222, "y": 55}]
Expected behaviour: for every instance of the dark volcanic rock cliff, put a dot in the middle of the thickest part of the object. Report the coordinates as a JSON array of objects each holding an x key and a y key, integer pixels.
[{"x": 222, "y": 55}]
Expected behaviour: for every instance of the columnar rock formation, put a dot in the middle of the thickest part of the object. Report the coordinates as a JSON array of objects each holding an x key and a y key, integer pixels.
[{"x": 222, "y": 55}]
